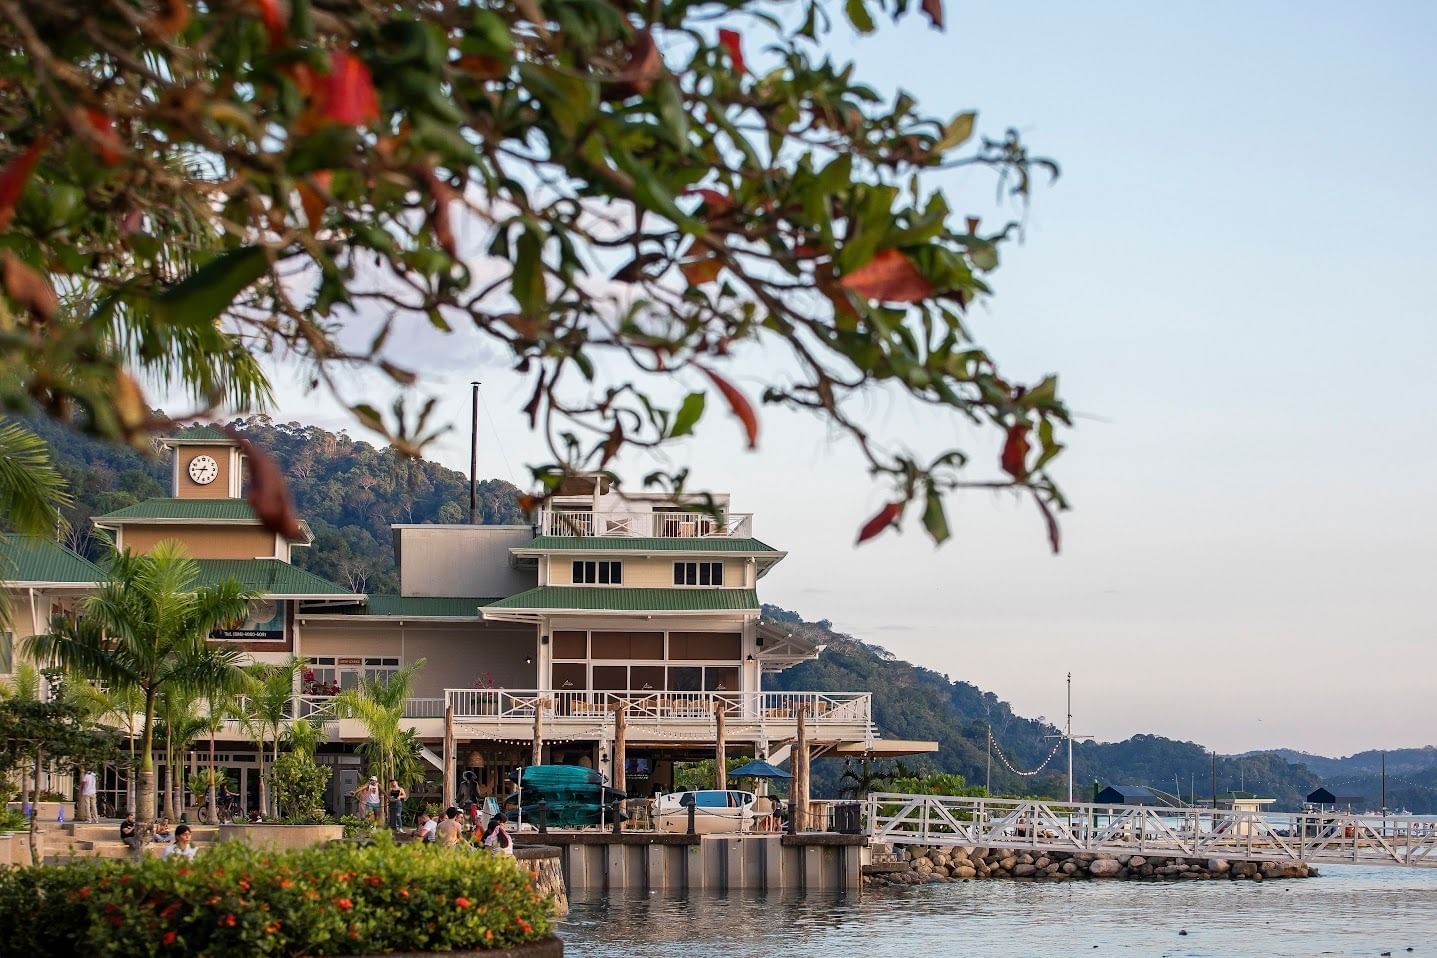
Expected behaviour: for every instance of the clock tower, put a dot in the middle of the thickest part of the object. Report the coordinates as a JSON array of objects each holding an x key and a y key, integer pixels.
[{"x": 208, "y": 465}]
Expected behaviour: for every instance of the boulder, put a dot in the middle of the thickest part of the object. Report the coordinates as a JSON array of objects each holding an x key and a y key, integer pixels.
[
  {"x": 964, "y": 871},
  {"x": 1136, "y": 861},
  {"x": 1043, "y": 861},
  {"x": 1007, "y": 864},
  {"x": 1219, "y": 866},
  {"x": 1023, "y": 869},
  {"x": 1105, "y": 868},
  {"x": 1069, "y": 867}
]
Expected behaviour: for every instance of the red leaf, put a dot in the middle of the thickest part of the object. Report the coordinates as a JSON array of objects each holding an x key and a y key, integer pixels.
[
  {"x": 644, "y": 67},
  {"x": 310, "y": 198},
  {"x": 176, "y": 17},
  {"x": 442, "y": 193},
  {"x": 108, "y": 145},
  {"x": 14, "y": 176},
  {"x": 716, "y": 202},
  {"x": 738, "y": 403},
  {"x": 28, "y": 288},
  {"x": 346, "y": 95},
  {"x": 890, "y": 276},
  {"x": 1015, "y": 451},
  {"x": 733, "y": 43},
  {"x": 274, "y": 25},
  {"x": 268, "y": 495},
  {"x": 700, "y": 271},
  {"x": 886, "y": 517},
  {"x": 1055, "y": 535},
  {"x": 934, "y": 9}
]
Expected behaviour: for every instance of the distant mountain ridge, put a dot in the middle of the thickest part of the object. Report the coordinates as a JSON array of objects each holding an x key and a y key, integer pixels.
[{"x": 351, "y": 491}]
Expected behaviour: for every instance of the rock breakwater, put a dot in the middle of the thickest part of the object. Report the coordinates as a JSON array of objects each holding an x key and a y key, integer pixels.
[{"x": 916, "y": 865}]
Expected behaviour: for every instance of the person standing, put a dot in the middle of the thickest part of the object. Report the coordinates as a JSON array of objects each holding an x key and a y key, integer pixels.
[
  {"x": 449, "y": 831},
  {"x": 397, "y": 796},
  {"x": 182, "y": 846},
  {"x": 368, "y": 795},
  {"x": 88, "y": 789}
]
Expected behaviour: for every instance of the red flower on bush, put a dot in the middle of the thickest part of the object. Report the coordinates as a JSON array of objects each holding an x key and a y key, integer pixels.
[
  {"x": 117, "y": 920},
  {"x": 461, "y": 902},
  {"x": 375, "y": 880},
  {"x": 170, "y": 937},
  {"x": 228, "y": 921},
  {"x": 344, "y": 904}
]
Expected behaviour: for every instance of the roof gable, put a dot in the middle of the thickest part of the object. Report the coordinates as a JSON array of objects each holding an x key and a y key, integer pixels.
[{"x": 29, "y": 559}]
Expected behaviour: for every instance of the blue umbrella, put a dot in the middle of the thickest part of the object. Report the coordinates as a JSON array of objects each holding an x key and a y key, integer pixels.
[{"x": 759, "y": 769}]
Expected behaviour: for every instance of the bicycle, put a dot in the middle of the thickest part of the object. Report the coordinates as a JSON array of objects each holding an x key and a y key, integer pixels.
[{"x": 228, "y": 812}]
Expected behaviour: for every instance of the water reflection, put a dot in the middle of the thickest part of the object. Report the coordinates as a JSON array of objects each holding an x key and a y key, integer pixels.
[{"x": 1348, "y": 911}]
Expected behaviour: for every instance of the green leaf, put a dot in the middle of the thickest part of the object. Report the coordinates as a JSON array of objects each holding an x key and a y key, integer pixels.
[
  {"x": 369, "y": 416},
  {"x": 688, "y": 415},
  {"x": 1047, "y": 443},
  {"x": 206, "y": 293},
  {"x": 671, "y": 111},
  {"x": 858, "y": 15},
  {"x": 935, "y": 520},
  {"x": 528, "y": 277},
  {"x": 957, "y": 132}
]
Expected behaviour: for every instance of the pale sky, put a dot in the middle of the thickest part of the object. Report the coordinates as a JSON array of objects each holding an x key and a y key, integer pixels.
[{"x": 1232, "y": 280}]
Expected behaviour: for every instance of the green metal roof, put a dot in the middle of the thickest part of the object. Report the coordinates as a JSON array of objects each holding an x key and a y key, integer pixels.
[
  {"x": 625, "y": 544},
  {"x": 203, "y": 434},
  {"x": 267, "y": 577},
  {"x": 607, "y": 599},
  {"x": 445, "y": 606},
  {"x": 25, "y": 559},
  {"x": 210, "y": 510}
]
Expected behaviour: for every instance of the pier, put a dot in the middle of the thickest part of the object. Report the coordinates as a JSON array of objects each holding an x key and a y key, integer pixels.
[{"x": 1153, "y": 832}]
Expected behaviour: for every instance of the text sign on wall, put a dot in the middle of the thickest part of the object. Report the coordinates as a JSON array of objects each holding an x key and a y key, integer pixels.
[{"x": 264, "y": 623}]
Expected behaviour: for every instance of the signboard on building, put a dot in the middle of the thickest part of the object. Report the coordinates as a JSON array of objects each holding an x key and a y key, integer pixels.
[{"x": 264, "y": 623}]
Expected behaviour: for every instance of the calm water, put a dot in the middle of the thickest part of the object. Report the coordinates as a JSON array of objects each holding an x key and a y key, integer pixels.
[{"x": 1347, "y": 911}]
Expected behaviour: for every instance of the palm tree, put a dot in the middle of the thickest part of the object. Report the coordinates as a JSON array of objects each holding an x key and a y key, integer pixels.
[
  {"x": 148, "y": 629},
  {"x": 179, "y": 715},
  {"x": 268, "y": 711},
  {"x": 32, "y": 491},
  {"x": 379, "y": 704}
]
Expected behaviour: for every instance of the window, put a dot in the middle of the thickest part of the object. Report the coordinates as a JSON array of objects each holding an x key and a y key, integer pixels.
[
  {"x": 598, "y": 573},
  {"x": 698, "y": 573}
]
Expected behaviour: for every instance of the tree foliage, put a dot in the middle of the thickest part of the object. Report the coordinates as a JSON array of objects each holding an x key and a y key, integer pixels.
[{"x": 624, "y": 202}]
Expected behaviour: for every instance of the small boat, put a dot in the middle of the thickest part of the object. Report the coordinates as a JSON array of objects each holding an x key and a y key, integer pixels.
[{"x": 715, "y": 811}]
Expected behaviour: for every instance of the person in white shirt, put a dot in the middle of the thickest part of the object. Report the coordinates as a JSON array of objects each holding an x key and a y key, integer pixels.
[
  {"x": 368, "y": 795},
  {"x": 428, "y": 829},
  {"x": 496, "y": 837},
  {"x": 88, "y": 790},
  {"x": 182, "y": 846}
]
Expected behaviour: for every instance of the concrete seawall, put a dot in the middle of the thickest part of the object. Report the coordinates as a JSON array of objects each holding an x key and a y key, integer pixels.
[{"x": 601, "y": 862}]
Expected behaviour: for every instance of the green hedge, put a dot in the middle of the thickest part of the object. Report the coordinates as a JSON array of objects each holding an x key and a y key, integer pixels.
[{"x": 238, "y": 900}]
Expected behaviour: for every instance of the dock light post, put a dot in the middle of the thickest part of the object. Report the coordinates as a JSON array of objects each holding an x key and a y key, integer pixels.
[{"x": 1068, "y": 734}]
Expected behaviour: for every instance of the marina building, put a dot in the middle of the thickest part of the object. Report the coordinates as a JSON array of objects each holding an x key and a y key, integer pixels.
[{"x": 614, "y": 624}]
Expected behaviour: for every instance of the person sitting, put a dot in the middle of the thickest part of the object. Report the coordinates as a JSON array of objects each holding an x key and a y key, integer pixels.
[
  {"x": 425, "y": 829},
  {"x": 129, "y": 833},
  {"x": 163, "y": 835},
  {"x": 448, "y": 832},
  {"x": 182, "y": 846},
  {"x": 496, "y": 836},
  {"x": 255, "y": 818}
]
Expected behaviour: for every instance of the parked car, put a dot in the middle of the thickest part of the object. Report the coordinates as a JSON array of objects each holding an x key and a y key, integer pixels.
[{"x": 715, "y": 811}]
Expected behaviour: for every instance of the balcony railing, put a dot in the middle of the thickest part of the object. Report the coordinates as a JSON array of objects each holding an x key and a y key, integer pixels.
[
  {"x": 824, "y": 709},
  {"x": 659, "y": 524}
]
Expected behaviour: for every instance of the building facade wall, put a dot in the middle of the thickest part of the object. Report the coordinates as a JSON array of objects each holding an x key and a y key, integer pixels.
[
  {"x": 455, "y": 656},
  {"x": 644, "y": 572},
  {"x": 207, "y": 542},
  {"x": 437, "y": 560}
]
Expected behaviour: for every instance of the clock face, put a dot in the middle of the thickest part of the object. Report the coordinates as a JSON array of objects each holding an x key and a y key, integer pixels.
[{"x": 203, "y": 469}]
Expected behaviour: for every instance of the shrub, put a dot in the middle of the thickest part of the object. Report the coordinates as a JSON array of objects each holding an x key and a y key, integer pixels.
[
  {"x": 239, "y": 900},
  {"x": 299, "y": 784},
  {"x": 357, "y": 827}
]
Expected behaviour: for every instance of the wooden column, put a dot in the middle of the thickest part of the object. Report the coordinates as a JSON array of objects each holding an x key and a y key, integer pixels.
[
  {"x": 449, "y": 757},
  {"x": 720, "y": 746},
  {"x": 619, "y": 780},
  {"x": 799, "y": 797},
  {"x": 538, "y": 752}
]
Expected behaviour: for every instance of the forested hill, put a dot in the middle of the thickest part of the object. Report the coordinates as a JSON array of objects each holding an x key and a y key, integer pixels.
[
  {"x": 348, "y": 490},
  {"x": 911, "y": 702}
]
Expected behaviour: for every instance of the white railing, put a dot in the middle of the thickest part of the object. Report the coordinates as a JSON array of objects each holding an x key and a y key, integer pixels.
[
  {"x": 1317, "y": 837},
  {"x": 425, "y": 708},
  {"x": 659, "y": 524},
  {"x": 823, "y": 709}
]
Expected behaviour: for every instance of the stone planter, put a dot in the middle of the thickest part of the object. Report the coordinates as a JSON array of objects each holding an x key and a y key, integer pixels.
[
  {"x": 281, "y": 837},
  {"x": 543, "y": 948}
]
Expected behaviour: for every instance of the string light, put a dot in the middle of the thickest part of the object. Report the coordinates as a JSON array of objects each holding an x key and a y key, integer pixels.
[{"x": 1041, "y": 765}]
